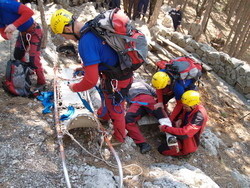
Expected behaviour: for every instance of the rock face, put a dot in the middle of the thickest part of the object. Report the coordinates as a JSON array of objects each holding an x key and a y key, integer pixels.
[{"x": 166, "y": 175}]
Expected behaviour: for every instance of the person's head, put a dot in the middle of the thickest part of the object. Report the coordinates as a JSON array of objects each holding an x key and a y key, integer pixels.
[
  {"x": 62, "y": 22},
  {"x": 160, "y": 80},
  {"x": 220, "y": 35},
  {"x": 197, "y": 19},
  {"x": 178, "y": 7},
  {"x": 190, "y": 99}
]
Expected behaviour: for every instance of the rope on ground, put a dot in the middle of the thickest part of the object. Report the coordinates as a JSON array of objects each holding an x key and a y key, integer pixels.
[{"x": 102, "y": 158}]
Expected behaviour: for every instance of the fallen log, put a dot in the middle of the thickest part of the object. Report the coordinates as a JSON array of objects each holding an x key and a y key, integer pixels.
[
  {"x": 180, "y": 49},
  {"x": 161, "y": 49}
]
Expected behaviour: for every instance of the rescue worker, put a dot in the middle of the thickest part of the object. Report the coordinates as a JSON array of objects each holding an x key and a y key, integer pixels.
[
  {"x": 167, "y": 87},
  {"x": 188, "y": 125},
  {"x": 142, "y": 8},
  {"x": 195, "y": 29},
  {"x": 141, "y": 100},
  {"x": 176, "y": 15},
  {"x": 16, "y": 16},
  {"x": 93, "y": 51}
]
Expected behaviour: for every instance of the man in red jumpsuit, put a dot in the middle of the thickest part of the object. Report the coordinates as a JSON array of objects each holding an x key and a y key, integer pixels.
[
  {"x": 142, "y": 100},
  {"x": 187, "y": 126}
]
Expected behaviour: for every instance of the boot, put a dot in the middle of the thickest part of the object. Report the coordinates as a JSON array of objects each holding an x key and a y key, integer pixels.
[
  {"x": 171, "y": 140},
  {"x": 144, "y": 147}
]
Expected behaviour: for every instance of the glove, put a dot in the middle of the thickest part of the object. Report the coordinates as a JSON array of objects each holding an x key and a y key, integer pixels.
[{"x": 165, "y": 121}]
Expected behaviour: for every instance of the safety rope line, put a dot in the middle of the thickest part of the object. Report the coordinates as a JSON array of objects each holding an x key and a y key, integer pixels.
[
  {"x": 102, "y": 158},
  {"x": 58, "y": 127},
  {"x": 102, "y": 129}
]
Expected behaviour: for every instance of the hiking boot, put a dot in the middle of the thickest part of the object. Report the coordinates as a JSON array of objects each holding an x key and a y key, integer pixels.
[
  {"x": 144, "y": 147},
  {"x": 172, "y": 141}
]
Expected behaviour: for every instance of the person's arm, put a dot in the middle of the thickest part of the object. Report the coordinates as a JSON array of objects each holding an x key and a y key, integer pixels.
[
  {"x": 25, "y": 13},
  {"x": 159, "y": 93},
  {"x": 89, "y": 80},
  {"x": 189, "y": 130}
]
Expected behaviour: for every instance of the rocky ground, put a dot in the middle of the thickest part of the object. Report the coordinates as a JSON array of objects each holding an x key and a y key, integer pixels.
[{"x": 30, "y": 157}]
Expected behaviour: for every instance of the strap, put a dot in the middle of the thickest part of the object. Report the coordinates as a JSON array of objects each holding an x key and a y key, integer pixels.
[
  {"x": 104, "y": 108},
  {"x": 85, "y": 103},
  {"x": 68, "y": 114},
  {"x": 139, "y": 102}
]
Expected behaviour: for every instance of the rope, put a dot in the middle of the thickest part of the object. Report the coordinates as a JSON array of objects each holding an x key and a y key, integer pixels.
[
  {"x": 58, "y": 128},
  {"x": 102, "y": 158}
]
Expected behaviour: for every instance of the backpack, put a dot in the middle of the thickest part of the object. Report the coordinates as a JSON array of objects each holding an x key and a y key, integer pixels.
[
  {"x": 17, "y": 79},
  {"x": 115, "y": 28},
  {"x": 182, "y": 68}
]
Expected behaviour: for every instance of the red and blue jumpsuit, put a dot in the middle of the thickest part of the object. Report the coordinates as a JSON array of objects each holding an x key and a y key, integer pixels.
[
  {"x": 94, "y": 52},
  {"x": 188, "y": 134},
  {"x": 142, "y": 101},
  {"x": 30, "y": 36}
]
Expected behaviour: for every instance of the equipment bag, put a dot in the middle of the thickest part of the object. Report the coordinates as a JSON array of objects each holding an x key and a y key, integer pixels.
[
  {"x": 182, "y": 68},
  {"x": 115, "y": 28},
  {"x": 17, "y": 79}
]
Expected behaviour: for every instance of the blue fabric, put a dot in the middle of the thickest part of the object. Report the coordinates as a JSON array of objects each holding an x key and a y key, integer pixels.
[
  {"x": 68, "y": 114},
  {"x": 139, "y": 102},
  {"x": 9, "y": 14},
  {"x": 93, "y": 50},
  {"x": 181, "y": 86},
  {"x": 47, "y": 101}
]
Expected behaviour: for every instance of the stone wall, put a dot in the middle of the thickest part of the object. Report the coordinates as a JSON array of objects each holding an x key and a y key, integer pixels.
[{"x": 234, "y": 71}]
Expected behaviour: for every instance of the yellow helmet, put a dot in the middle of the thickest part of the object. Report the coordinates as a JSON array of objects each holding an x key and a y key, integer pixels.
[
  {"x": 160, "y": 80},
  {"x": 59, "y": 19},
  {"x": 190, "y": 98}
]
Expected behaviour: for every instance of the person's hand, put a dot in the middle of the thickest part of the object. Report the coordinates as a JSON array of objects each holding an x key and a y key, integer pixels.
[
  {"x": 160, "y": 126},
  {"x": 178, "y": 123},
  {"x": 79, "y": 71},
  {"x": 10, "y": 28},
  {"x": 159, "y": 105},
  {"x": 71, "y": 87}
]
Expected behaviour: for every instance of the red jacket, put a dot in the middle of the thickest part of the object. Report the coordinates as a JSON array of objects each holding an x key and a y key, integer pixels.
[{"x": 191, "y": 129}]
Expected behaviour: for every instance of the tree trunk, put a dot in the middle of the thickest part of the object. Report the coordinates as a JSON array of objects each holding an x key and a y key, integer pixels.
[
  {"x": 200, "y": 9},
  {"x": 206, "y": 17},
  {"x": 154, "y": 17},
  {"x": 235, "y": 24},
  {"x": 238, "y": 30},
  {"x": 184, "y": 6},
  {"x": 228, "y": 6},
  {"x": 44, "y": 24},
  {"x": 233, "y": 8},
  {"x": 245, "y": 45},
  {"x": 243, "y": 34}
]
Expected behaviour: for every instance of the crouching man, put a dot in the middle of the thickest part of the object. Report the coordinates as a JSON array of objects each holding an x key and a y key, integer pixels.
[
  {"x": 187, "y": 126},
  {"x": 141, "y": 102}
]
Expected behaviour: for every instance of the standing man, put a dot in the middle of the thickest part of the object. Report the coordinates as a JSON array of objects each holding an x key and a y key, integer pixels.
[
  {"x": 16, "y": 16},
  {"x": 188, "y": 126},
  {"x": 96, "y": 56},
  {"x": 195, "y": 29},
  {"x": 176, "y": 15}
]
